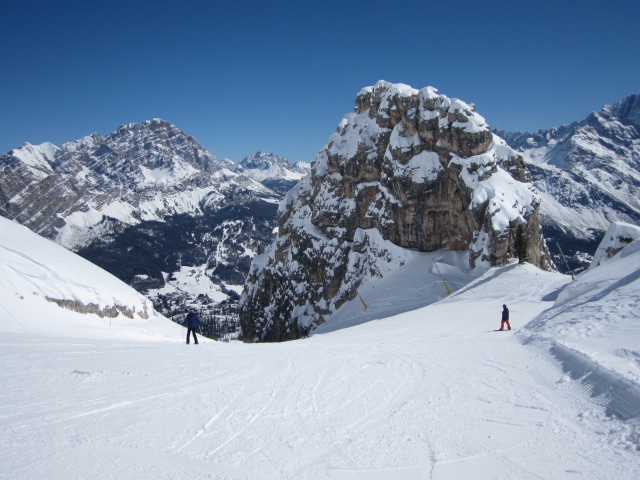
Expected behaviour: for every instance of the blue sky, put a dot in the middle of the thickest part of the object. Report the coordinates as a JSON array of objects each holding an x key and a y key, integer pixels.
[{"x": 278, "y": 76}]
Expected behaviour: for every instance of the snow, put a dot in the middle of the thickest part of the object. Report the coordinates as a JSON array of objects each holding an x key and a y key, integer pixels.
[
  {"x": 399, "y": 88},
  {"x": 616, "y": 237},
  {"x": 37, "y": 157},
  {"x": 193, "y": 280},
  {"x": 507, "y": 198},
  {"x": 166, "y": 175},
  {"x": 417, "y": 386},
  {"x": 598, "y": 315},
  {"x": 36, "y": 275}
]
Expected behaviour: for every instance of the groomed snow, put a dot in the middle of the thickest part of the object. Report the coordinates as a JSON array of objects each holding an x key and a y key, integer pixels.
[
  {"x": 598, "y": 315},
  {"x": 408, "y": 392}
]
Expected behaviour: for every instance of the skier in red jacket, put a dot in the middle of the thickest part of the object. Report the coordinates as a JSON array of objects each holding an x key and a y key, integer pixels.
[{"x": 505, "y": 318}]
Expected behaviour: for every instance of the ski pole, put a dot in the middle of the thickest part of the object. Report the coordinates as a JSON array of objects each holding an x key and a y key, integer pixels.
[{"x": 201, "y": 334}]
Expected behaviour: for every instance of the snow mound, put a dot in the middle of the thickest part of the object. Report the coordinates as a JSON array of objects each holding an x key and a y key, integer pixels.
[
  {"x": 417, "y": 279},
  {"x": 593, "y": 329},
  {"x": 46, "y": 289},
  {"x": 619, "y": 234}
]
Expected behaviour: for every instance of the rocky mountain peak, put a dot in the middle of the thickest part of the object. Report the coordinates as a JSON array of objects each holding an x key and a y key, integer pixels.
[
  {"x": 263, "y": 160},
  {"x": 444, "y": 125},
  {"x": 142, "y": 171},
  {"x": 410, "y": 168},
  {"x": 156, "y": 144},
  {"x": 627, "y": 110}
]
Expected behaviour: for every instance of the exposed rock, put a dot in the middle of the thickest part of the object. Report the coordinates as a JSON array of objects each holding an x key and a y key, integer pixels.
[
  {"x": 109, "y": 312},
  {"x": 412, "y": 167}
]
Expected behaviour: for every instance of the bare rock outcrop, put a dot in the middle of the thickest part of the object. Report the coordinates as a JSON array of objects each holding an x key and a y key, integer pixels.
[{"x": 410, "y": 167}]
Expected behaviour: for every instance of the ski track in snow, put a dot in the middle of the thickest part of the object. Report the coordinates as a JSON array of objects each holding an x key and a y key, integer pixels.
[
  {"x": 423, "y": 395},
  {"x": 433, "y": 393}
]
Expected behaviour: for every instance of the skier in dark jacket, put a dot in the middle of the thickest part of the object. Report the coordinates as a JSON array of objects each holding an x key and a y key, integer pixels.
[
  {"x": 505, "y": 318},
  {"x": 192, "y": 323}
]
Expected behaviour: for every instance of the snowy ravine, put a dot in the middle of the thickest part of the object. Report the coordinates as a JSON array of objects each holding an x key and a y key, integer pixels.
[{"x": 431, "y": 393}]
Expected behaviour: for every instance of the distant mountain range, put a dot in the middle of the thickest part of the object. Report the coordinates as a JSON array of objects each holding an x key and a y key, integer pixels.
[
  {"x": 587, "y": 174},
  {"x": 148, "y": 202},
  {"x": 273, "y": 171}
]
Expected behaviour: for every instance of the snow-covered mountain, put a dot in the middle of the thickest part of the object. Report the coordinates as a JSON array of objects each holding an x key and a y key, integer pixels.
[
  {"x": 410, "y": 169},
  {"x": 143, "y": 202},
  {"x": 46, "y": 289},
  {"x": 273, "y": 171},
  {"x": 587, "y": 174},
  {"x": 141, "y": 172}
]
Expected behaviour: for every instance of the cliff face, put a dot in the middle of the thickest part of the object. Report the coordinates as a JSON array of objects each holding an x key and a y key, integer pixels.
[{"x": 410, "y": 167}]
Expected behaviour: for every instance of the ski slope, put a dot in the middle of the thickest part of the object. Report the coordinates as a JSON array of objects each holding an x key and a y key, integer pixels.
[
  {"x": 429, "y": 394},
  {"x": 427, "y": 391}
]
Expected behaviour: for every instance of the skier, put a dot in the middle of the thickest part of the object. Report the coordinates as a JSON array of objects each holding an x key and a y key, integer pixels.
[
  {"x": 505, "y": 318},
  {"x": 192, "y": 323}
]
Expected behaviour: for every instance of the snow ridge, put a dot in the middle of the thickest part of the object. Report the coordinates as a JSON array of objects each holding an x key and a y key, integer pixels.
[
  {"x": 592, "y": 328},
  {"x": 47, "y": 289}
]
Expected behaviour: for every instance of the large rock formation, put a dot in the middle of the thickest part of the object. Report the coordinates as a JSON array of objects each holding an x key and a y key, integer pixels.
[{"x": 411, "y": 167}]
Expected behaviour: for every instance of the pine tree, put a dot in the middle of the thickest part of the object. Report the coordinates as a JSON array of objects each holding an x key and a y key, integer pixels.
[{"x": 521, "y": 244}]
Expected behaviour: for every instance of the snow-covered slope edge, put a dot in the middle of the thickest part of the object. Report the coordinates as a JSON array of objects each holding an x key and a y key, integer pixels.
[
  {"x": 45, "y": 288},
  {"x": 618, "y": 235},
  {"x": 593, "y": 329}
]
